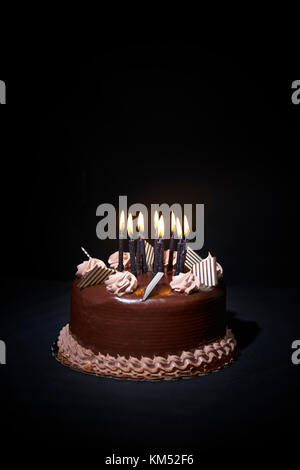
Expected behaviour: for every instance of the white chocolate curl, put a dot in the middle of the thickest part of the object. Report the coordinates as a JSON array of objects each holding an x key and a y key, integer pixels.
[
  {"x": 185, "y": 282},
  {"x": 121, "y": 283},
  {"x": 86, "y": 267},
  {"x": 113, "y": 260}
]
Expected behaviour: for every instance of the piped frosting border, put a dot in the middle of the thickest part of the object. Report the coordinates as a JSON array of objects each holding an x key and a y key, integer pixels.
[{"x": 200, "y": 361}]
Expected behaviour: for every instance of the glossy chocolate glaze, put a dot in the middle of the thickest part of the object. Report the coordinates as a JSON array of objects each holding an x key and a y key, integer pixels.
[{"x": 166, "y": 323}]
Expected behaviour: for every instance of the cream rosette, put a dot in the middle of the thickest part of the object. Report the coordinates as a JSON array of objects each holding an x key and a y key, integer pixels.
[
  {"x": 185, "y": 282},
  {"x": 121, "y": 283},
  {"x": 86, "y": 267},
  {"x": 113, "y": 260}
]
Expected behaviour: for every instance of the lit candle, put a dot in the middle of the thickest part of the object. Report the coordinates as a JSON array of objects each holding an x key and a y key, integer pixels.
[
  {"x": 121, "y": 241},
  {"x": 131, "y": 244},
  {"x": 156, "y": 222},
  {"x": 172, "y": 243},
  {"x": 160, "y": 243},
  {"x": 183, "y": 251},
  {"x": 179, "y": 246},
  {"x": 141, "y": 244},
  {"x": 138, "y": 254}
]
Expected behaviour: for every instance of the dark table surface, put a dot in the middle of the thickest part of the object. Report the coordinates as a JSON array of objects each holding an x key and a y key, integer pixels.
[{"x": 253, "y": 403}]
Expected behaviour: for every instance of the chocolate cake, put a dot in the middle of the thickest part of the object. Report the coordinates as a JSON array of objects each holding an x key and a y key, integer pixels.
[{"x": 180, "y": 330}]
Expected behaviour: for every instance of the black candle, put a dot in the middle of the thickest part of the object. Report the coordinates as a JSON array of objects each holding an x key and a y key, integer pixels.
[
  {"x": 138, "y": 254},
  {"x": 179, "y": 248},
  {"x": 156, "y": 247},
  {"x": 171, "y": 253},
  {"x": 182, "y": 256},
  {"x": 121, "y": 241},
  {"x": 159, "y": 247},
  {"x": 131, "y": 244},
  {"x": 132, "y": 257},
  {"x": 120, "y": 265},
  {"x": 140, "y": 250},
  {"x": 156, "y": 256},
  {"x": 143, "y": 256},
  {"x": 172, "y": 245},
  {"x": 161, "y": 256},
  {"x": 183, "y": 250}
]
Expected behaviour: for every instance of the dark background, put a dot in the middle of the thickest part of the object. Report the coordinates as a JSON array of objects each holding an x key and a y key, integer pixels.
[{"x": 160, "y": 122}]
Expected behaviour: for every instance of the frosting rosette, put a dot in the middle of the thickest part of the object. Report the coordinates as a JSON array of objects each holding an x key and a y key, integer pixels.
[
  {"x": 201, "y": 360},
  {"x": 185, "y": 282},
  {"x": 86, "y": 267},
  {"x": 113, "y": 260},
  {"x": 121, "y": 283}
]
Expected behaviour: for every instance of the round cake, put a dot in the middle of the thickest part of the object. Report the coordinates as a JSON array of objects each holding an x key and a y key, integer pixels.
[{"x": 172, "y": 334}]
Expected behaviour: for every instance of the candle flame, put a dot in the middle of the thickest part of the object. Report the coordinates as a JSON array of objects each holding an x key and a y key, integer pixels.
[
  {"x": 156, "y": 220},
  {"x": 130, "y": 225},
  {"x": 186, "y": 226},
  {"x": 122, "y": 221},
  {"x": 161, "y": 227},
  {"x": 140, "y": 223},
  {"x": 178, "y": 228},
  {"x": 173, "y": 222}
]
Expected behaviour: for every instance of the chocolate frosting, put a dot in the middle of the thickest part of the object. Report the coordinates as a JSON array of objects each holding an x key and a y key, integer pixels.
[{"x": 167, "y": 323}]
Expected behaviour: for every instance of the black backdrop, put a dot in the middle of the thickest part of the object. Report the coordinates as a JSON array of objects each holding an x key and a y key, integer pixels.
[{"x": 159, "y": 122}]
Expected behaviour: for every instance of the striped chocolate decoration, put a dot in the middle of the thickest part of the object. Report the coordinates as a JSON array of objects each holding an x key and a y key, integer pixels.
[
  {"x": 191, "y": 258},
  {"x": 206, "y": 271},
  {"x": 96, "y": 276},
  {"x": 149, "y": 250}
]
